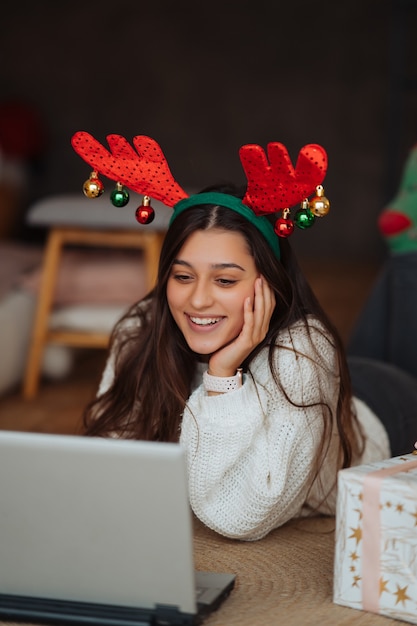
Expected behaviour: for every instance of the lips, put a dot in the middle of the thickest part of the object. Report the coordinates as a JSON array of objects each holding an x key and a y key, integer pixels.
[{"x": 205, "y": 321}]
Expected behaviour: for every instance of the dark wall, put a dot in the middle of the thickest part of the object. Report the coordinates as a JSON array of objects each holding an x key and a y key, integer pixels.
[{"x": 204, "y": 78}]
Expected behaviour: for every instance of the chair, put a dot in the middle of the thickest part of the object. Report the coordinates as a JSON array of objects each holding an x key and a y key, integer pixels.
[{"x": 73, "y": 219}]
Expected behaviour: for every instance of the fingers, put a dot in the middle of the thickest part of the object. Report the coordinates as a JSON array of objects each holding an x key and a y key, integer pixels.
[
  {"x": 257, "y": 316},
  {"x": 264, "y": 305}
]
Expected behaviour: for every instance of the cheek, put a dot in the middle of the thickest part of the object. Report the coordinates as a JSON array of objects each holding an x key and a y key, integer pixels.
[
  {"x": 236, "y": 303},
  {"x": 247, "y": 292},
  {"x": 171, "y": 294}
]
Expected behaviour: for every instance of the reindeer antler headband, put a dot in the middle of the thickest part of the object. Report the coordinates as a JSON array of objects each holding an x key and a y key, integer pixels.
[{"x": 274, "y": 185}]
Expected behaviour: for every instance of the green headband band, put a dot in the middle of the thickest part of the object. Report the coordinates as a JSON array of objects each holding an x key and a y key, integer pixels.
[{"x": 235, "y": 204}]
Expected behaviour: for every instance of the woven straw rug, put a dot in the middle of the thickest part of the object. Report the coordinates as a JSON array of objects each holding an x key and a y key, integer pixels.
[{"x": 285, "y": 579}]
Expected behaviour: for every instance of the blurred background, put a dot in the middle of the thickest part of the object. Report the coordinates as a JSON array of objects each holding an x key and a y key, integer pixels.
[
  {"x": 205, "y": 78},
  {"x": 202, "y": 79}
]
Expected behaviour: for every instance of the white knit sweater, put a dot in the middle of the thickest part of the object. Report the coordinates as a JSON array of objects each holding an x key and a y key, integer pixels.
[{"x": 250, "y": 452}]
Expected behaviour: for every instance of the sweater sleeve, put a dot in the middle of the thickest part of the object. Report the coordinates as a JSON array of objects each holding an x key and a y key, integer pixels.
[{"x": 250, "y": 452}]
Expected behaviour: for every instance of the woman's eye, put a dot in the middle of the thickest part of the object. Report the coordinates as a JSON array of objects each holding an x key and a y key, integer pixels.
[
  {"x": 182, "y": 277},
  {"x": 226, "y": 281}
]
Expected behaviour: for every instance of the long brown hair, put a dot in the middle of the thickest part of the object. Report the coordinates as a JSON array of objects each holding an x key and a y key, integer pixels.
[{"x": 155, "y": 368}]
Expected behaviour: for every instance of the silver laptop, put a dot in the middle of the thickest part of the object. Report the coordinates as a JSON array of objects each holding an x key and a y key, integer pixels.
[{"x": 98, "y": 531}]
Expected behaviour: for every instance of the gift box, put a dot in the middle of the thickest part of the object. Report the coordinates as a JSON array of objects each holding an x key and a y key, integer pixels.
[{"x": 375, "y": 566}]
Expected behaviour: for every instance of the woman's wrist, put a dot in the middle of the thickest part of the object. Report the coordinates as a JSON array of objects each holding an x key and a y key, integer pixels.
[{"x": 222, "y": 384}]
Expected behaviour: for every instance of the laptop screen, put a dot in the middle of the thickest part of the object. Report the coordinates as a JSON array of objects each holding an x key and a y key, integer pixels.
[{"x": 95, "y": 520}]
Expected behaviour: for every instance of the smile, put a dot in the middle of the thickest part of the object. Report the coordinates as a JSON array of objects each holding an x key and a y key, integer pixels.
[{"x": 205, "y": 321}]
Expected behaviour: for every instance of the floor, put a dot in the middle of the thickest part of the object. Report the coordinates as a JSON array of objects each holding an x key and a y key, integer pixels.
[{"x": 341, "y": 287}]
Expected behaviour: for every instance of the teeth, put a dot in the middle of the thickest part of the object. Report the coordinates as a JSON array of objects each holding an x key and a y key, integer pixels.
[{"x": 205, "y": 321}]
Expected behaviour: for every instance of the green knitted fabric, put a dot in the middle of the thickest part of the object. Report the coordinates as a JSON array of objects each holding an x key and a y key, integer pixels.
[{"x": 398, "y": 221}]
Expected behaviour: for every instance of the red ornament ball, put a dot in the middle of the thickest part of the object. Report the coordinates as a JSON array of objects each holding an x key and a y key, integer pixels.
[
  {"x": 145, "y": 214},
  {"x": 284, "y": 227}
]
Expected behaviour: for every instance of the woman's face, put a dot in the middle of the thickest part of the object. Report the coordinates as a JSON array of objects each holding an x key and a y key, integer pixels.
[{"x": 209, "y": 281}]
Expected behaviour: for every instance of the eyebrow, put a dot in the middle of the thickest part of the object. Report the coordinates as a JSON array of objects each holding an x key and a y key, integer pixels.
[{"x": 214, "y": 266}]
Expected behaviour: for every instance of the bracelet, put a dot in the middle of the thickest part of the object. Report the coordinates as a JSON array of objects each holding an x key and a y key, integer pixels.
[{"x": 222, "y": 384}]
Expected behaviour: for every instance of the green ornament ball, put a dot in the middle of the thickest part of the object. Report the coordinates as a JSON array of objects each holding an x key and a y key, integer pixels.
[
  {"x": 119, "y": 197},
  {"x": 304, "y": 218}
]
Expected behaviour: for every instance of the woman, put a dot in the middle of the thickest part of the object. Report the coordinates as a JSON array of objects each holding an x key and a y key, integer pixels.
[{"x": 232, "y": 356}]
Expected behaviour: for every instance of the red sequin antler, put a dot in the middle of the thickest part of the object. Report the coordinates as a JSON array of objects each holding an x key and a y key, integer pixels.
[
  {"x": 276, "y": 185},
  {"x": 145, "y": 171}
]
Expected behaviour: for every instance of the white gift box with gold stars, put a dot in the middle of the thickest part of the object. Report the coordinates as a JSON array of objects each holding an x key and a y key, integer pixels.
[{"x": 375, "y": 566}]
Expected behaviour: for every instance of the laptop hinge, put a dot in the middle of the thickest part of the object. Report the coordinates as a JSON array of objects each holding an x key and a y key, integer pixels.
[{"x": 170, "y": 615}]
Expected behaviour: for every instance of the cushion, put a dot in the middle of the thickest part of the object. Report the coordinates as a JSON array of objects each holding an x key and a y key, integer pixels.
[
  {"x": 94, "y": 276},
  {"x": 87, "y": 318},
  {"x": 78, "y": 211}
]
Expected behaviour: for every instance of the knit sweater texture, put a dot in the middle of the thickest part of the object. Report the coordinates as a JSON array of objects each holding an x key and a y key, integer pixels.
[{"x": 250, "y": 452}]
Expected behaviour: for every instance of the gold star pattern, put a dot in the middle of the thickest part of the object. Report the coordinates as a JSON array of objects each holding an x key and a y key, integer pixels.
[
  {"x": 382, "y": 585},
  {"x": 359, "y": 512},
  {"x": 401, "y": 594},
  {"x": 356, "y": 534}
]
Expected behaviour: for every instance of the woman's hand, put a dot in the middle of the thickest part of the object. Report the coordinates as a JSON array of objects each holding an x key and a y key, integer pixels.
[{"x": 257, "y": 313}]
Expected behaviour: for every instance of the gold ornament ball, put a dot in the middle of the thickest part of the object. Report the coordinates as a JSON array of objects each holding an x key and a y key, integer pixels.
[
  {"x": 319, "y": 206},
  {"x": 93, "y": 187}
]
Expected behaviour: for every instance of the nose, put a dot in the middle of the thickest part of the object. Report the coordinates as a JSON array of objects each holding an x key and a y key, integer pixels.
[{"x": 201, "y": 296}]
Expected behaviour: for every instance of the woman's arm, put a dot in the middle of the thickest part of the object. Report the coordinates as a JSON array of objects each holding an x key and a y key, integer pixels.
[{"x": 250, "y": 452}]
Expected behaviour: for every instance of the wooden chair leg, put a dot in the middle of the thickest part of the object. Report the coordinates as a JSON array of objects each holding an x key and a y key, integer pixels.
[
  {"x": 44, "y": 304},
  {"x": 151, "y": 244}
]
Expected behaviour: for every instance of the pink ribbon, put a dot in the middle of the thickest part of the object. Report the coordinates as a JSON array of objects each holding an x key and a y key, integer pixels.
[{"x": 371, "y": 532}]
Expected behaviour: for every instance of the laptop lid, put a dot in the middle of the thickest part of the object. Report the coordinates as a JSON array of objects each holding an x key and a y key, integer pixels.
[{"x": 92, "y": 520}]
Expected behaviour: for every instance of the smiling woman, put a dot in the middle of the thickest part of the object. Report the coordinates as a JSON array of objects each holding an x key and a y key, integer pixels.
[
  {"x": 232, "y": 356},
  {"x": 211, "y": 287}
]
